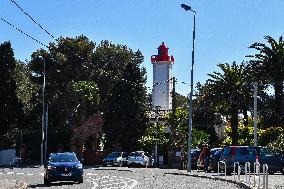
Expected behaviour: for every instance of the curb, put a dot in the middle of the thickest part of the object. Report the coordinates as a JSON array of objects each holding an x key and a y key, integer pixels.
[{"x": 215, "y": 178}]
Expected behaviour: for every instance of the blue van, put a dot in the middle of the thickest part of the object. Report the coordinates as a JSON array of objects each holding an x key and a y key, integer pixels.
[{"x": 243, "y": 154}]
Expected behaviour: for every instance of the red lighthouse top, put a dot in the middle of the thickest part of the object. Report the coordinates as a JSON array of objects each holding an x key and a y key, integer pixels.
[{"x": 162, "y": 54}]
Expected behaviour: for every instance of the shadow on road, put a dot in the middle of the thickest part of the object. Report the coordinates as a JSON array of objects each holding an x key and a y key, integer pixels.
[{"x": 52, "y": 184}]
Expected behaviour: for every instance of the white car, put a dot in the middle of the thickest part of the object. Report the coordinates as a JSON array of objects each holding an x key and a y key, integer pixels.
[{"x": 139, "y": 158}]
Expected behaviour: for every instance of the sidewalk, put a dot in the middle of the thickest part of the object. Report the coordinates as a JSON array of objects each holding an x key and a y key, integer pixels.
[{"x": 12, "y": 184}]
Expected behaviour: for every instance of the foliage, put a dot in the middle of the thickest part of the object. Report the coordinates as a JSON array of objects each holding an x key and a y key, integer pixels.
[
  {"x": 268, "y": 68},
  {"x": 278, "y": 144},
  {"x": 11, "y": 111},
  {"x": 266, "y": 137},
  {"x": 226, "y": 92}
]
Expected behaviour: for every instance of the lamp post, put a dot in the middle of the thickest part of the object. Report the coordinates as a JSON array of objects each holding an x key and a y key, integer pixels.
[
  {"x": 44, "y": 119},
  {"x": 188, "y": 8}
]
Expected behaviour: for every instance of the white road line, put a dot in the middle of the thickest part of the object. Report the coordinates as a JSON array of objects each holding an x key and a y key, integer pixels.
[
  {"x": 20, "y": 173},
  {"x": 91, "y": 174},
  {"x": 10, "y": 173},
  {"x": 30, "y": 174},
  {"x": 41, "y": 174}
]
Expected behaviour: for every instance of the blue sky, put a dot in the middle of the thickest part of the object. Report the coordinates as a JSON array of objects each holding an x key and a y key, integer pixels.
[{"x": 224, "y": 28}]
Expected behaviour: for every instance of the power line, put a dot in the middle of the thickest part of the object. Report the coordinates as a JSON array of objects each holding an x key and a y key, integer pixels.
[
  {"x": 47, "y": 32},
  {"x": 23, "y": 32},
  {"x": 32, "y": 19}
]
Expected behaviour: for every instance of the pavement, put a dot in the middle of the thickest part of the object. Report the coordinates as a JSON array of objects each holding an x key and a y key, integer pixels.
[
  {"x": 12, "y": 184},
  {"x": 167, "y": 176}
]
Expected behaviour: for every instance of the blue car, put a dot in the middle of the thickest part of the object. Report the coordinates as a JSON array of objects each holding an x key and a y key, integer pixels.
[{"x": 63, "y": 167}]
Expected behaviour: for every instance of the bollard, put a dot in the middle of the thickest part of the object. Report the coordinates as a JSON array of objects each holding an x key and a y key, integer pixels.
[
  {"x": 236, "y": 163},
  {"x": 247, "y": 173},
  {"x": 265, "y": 176},
  {"x": 256, "y": 167},
  {"x": 219, "y": 167}
]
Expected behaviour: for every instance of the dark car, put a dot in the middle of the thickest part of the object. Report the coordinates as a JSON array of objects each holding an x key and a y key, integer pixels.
[
  {"x": 215, "y": 155},
  {"x": 63, "y": 167},
  {"x": 115, "y": 159},
  {"x": 243, "y": 154}
]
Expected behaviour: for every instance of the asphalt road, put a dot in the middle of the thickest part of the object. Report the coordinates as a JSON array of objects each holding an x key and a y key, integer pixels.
[{"x": 118, "y": 177}]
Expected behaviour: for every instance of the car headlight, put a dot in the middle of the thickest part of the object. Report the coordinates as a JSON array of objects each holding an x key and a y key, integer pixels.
[
  {"x": 79, "y": 167},
  {"x": 49, "y": 167}
]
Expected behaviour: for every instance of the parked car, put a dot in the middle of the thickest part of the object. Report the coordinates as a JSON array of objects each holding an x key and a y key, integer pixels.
[
  {"x": 115, "y": 159},
  {"x": 63, "y": 167},
  {"x": 243, "y": 154},
  {"x": 139, "y": 158},
  {"x": 215, "y": 155},
  {"x": 121, "y": 160}
]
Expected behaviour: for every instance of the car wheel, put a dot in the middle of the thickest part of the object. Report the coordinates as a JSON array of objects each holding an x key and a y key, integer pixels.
[
  {"x": 46, "y": 182},
  {"x": 80, "y": 180},
  {"x": 120, "y": 164},
  {"x": 145, "y": 164}
]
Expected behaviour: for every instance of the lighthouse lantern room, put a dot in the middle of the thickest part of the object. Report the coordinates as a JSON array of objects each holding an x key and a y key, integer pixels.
[{"x": 162, "y": 78}]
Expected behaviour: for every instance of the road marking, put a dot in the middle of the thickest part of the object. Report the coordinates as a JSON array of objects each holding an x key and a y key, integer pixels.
[
  {"x": 20, "y": 173},
  {"x": 30, "y": 174},
  {"x": 41, "y": 174},
  {"x": 10, "y": 173},
  {"x": 91, "y": 174}
]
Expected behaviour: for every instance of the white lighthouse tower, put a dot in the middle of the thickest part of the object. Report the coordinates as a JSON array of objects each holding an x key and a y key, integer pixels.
[{"x": 162, "y": 78}]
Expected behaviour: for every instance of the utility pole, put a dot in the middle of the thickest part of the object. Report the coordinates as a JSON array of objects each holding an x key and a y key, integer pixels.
[
  {"x": 255, "y": 114},
  {"x": 157, "y": 136}
]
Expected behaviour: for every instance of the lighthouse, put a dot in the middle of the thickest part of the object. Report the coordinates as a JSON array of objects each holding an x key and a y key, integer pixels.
[{"x": 162, "y": 78}]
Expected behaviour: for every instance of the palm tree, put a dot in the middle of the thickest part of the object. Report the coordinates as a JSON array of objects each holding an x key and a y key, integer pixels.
[
  {"x": 268, "y": 67},
  {"x": 226, "y": 91}
]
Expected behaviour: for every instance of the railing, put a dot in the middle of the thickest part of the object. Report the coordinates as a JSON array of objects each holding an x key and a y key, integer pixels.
[
  {"x": 265, "y": 176},
  {"x": 256, "y": 168},
  {"x": 239, "y": 170},
  {"x": 222, "y": 162},
  {"x": 247, "y": 172}
]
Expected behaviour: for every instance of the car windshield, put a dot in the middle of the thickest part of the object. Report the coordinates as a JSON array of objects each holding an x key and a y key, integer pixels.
[
  {"x": 114, "y": 154},
  {"x": 63, "y": 158}
]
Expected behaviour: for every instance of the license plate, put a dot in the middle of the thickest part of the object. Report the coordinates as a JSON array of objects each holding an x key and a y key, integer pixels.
[{"x": 66, "y": 174}]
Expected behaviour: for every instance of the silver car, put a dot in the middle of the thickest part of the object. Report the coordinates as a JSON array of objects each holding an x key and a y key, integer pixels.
[{"x": 139, "y": 158}]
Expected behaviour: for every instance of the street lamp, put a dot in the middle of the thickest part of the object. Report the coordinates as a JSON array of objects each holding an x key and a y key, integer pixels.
[
  {"x": 44, "y": 119},
  {"x": 188, "y": 8}
]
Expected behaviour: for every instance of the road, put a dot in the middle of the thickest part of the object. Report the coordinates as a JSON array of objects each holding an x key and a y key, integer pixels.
[{"x": 118, "y": 177}]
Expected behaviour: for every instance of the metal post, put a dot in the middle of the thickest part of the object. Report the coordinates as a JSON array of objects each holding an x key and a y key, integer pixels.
[
  {"x": 44, "y": 129},
  {"x": 265, "y": 176},
  {"x": 157, "y": 131},
  {"x": 255, "y": 114},
  {"x": 247, "y": 173}
]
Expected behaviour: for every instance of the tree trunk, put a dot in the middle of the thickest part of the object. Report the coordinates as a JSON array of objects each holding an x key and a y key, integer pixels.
[{"x": 245, "y": 112}]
